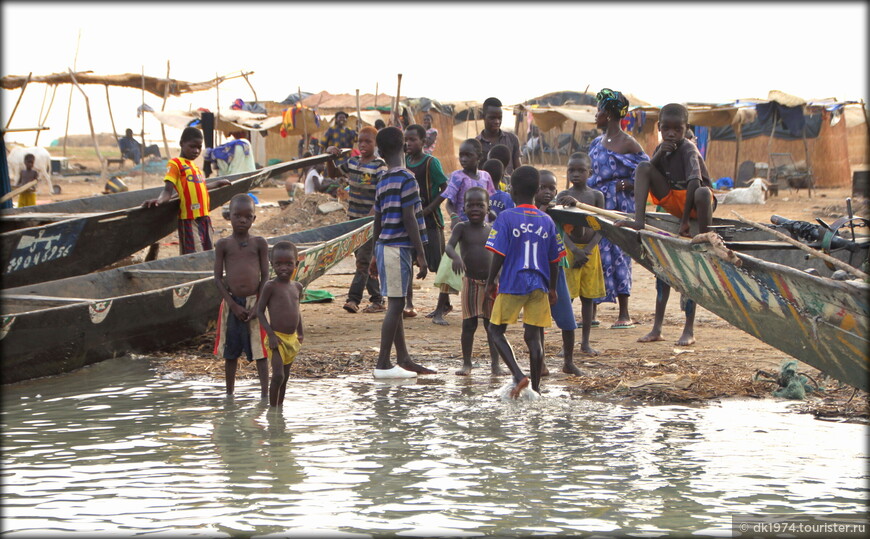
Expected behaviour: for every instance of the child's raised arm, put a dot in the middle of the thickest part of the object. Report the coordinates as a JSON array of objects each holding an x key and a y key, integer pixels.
[{"x": 164, "y": 196}]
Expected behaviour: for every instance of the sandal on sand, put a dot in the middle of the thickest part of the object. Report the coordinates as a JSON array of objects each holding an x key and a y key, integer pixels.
[
  {"x": 622, "y": 325},
  {"x": 351, "y": 307},
  {"x": 595, "y": 323},
  {"x": 375, "y": 308},
  {"x": 409, "y": 313}
]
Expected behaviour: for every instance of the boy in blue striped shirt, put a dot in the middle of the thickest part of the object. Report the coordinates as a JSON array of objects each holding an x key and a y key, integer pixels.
[{"x": 399, "y": 231}]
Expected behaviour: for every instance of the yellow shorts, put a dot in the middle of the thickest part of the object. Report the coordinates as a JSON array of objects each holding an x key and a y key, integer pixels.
[
  {"x": 27, "y": 198},
  {"x": 288, "y": 347},
  {"x": 535, "y": 307},
  {"x": 588, "y": 281}
]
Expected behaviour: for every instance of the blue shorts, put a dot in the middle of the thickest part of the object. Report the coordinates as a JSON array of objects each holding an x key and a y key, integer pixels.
[
  {"x": 394, "y": 269},
  {"x": 562, "y": 311}
]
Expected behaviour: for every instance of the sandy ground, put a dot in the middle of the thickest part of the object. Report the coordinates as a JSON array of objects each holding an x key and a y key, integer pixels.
[{"x": 721, "y": 363}]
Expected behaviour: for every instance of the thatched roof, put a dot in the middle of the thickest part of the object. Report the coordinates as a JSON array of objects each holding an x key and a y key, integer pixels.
[{"x": 153, "y": 85}]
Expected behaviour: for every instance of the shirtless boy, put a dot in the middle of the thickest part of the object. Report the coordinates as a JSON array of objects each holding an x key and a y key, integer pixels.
[
  {"x": 473, "y": 264},
  {"x": 241, "y": 269},
  {"x": 583, "y": 271},
  {"x": 284, "y": 327}
]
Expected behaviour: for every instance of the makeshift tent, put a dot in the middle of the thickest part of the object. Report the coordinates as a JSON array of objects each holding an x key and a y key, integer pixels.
[{"x": 153, "y": 85}]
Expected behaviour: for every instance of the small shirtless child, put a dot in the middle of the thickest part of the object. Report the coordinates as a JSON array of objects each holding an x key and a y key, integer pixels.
[
  {"x": 241, "y": 268},
  {"x": 27, "y": 197},
  {"x": 583, "y": 271},
  {"x": 284, "y": 327},
  {"x": 473, "y": 264}
]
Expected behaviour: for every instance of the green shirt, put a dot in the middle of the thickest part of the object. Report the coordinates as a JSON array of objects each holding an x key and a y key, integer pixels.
[{"x": 431, "y": 180}]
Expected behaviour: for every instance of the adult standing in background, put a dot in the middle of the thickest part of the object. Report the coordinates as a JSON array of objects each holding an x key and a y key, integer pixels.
[
  {"x": 339, "y": 135},
  {"x": 615, "y": 156},
  {"x": 492, "y": 135},
  {"x": 431, "y": 135}
]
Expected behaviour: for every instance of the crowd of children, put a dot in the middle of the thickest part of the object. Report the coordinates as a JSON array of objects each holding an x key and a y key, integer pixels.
[{"x": 505, "y": 254}]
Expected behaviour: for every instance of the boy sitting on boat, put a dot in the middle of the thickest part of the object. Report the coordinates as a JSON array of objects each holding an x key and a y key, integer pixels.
[
  {"x": 281, "y": 297},
  {"x": 676, "y": 179},
  {"x": 241, "y": 268}
]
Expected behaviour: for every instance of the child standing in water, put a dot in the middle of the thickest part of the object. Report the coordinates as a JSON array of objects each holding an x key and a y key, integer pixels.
[
  {"x": 583, "y": 271},
  {"x": 284, "y": 327},
  {"x": 526, "y": 249},
  {"x": 245, "y": 259},
  {"x": 474, "y": 263}
]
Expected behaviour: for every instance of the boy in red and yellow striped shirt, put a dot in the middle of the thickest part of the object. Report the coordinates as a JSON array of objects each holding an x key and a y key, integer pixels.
[{"x": 187, "y": 180}]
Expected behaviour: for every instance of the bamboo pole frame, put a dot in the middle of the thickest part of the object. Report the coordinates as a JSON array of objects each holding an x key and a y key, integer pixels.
[
  {"x": 45, "y": 118},
  {"x": 103, "y": 164},
  {"x": 162, "y": 127}
]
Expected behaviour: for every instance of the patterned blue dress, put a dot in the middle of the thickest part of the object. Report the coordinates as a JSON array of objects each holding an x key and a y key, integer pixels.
[{"x": 607, "y": 169}]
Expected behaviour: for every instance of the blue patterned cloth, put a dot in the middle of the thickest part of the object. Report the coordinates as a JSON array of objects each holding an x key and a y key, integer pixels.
[{"x": 608, "y": 168}]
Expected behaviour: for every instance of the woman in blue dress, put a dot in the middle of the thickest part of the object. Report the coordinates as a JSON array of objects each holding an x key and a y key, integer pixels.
[{"x": 615, "y": 156}]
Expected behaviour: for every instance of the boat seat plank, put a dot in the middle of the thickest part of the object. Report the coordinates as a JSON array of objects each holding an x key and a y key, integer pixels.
[
  {"x": 133, "y": 272},
  {"x": 36, "y": 297},
  {"x": 46, "y": 216}
]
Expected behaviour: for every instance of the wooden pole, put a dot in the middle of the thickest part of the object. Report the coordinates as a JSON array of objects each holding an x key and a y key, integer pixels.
[
  {"x": 103, "y": 165},
  {"x": 69, "y": 105},
  {"x": 769, "y": 142},
  {"x": 398, "y": 96},
  {"x": 376, "y": 94},
  {"x": 44, "y": 118},
  {"x": 358, "y": 112},
  {"x": 162, "y": 127},
  {"x": 245, "y": 75},
  {"x": 618, "y": 217},
  {"x": 111, "y": 117},
  {"x": 808, "y": 160},
  {"x": 20, "y": 189},
  {"x": 217, "y": 112},
  {"x": 807, "y": 249},
  {"x": 738, "y": 133},
  {"x": 467, "y": 124},
  {"x": 304, "y": 122},
  {"x": 142, "y": 153},
  {"x": 41, "y": 108}
]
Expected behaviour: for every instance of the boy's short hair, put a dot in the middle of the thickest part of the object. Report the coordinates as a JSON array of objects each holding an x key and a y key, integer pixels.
[
  {"x": 339, "y": 113},
  {"x": 580, "y": 156},
  {"x": 190, "y": 133},
  {"x": 475, "y": 143},
  {"x": 390, "y": 139},
  {"x": 495, "y": 168},
  {"x": 379, "y": 124},
  {"x": 427, "y": 115},
  {"x": 29, "y": 156},
  {"x": 500, "y": 152},
  {"x": 476, "y": 189},
  {"x": 241, "y": 198},
  {"x": 525, "y": 181},
  {"x": 675, "y": 109},
  {"x": 491, "y": 102},
  {"x": 284, "y": 246},
  {"x": 369, "y": 130},
  {"x": 544, "y": 171},
  {"x": 421, "y": 131}
]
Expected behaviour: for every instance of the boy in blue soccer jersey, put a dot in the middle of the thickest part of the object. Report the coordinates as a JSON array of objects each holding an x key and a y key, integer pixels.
[{"x": 526, "y": 249}]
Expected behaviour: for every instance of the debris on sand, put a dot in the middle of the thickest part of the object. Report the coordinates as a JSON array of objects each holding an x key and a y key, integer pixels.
[{"x": 301, "y": 214}]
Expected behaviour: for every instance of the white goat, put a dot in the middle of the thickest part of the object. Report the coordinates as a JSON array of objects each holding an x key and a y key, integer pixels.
[
  {"x": 754, "y": 194},
  {"x": 42, "y": 164}
]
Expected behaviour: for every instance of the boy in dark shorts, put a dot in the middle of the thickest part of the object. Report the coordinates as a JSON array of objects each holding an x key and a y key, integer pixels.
[
  {"x": 187, "y": 180},
  {"x": 471, "y": 236},
  {"x": 676, "y": 179},
  {"x": 431, "y": 181},
  {"x": 399, "y": 230},
  {"x": 526, "y": 249},
  {"x": 284, "y": 326},
  {"x": 582, "y": 263},
  {"x": 241, "y": 268}
]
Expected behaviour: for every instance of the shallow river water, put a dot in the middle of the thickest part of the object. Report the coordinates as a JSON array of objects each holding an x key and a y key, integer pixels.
[{"x": 116, "y": 449}]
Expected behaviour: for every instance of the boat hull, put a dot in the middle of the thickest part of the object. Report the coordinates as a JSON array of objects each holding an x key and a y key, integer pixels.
[
  {"x": 59, "y": 326},
  {"x": 817, "y": 320}
]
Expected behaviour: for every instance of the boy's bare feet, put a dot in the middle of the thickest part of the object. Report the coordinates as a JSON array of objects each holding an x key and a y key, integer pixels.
[
  {"x": 570, "y": 368},
  {"x": 439, "y": 319},
  {"x": 414, "y": 367},
  {"x": 545, "y": 371},
  {"x": 517, "y": 389},
  {"x": 496, "y": 370},
  {"x": 588, "y": 350},
  {"x": 464, "y": 371},
  {"x": 434, "y": 313},
  {"x": 652, "y": 336},
  {"x": 686, "y": 339}
]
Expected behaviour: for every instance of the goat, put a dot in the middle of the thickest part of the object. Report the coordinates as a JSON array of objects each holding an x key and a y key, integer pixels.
[{"x": 756, "y": 193}]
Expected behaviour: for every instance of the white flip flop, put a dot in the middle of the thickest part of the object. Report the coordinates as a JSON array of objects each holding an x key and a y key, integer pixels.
[{"x": 395, "y": 372}]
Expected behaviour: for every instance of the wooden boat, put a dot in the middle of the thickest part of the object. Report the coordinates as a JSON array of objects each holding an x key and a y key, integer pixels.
[
  {"x": 58, "y": 326},
  {"x": 84, "y": 235},
  {"x": 818, "y": 320}
]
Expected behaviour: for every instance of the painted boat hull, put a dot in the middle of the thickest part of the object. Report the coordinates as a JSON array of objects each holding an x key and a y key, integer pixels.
[
  {"x": 77, "y": 244},
  {"x": 817, "y": 320},
  {"x": 136, "y": 309}
]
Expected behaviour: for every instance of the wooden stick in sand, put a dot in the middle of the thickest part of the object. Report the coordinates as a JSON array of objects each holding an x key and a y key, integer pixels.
[
  {"x": 358, "y": 112},
  {"x": 162, "y": 108},
  {"x": 103, "y": 163},
  {"x": 398, "y": 118},
  {"x": 17, "y": 190},
  {"x": 788, "y": 239},
  {"x": 43, "y": 119}
]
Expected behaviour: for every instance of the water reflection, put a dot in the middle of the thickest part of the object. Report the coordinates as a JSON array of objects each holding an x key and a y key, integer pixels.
[{"x": 113, "y": 448}]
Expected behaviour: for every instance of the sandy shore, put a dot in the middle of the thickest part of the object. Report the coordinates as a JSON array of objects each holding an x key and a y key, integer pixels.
[{"x": 722, "y": 363}]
